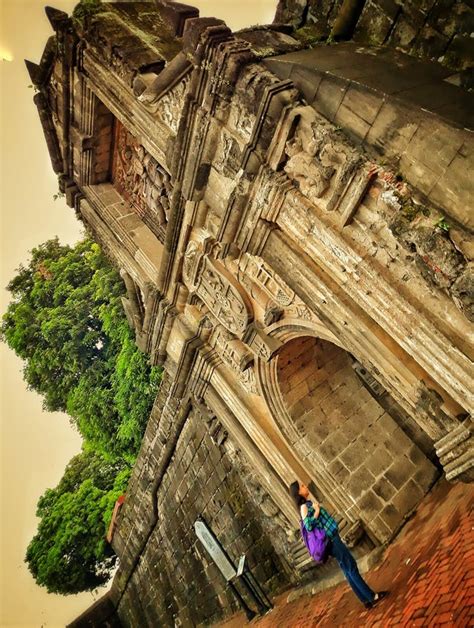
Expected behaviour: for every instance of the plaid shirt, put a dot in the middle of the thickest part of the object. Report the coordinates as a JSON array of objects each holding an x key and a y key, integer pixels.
[{"x": 323, "y": 522}]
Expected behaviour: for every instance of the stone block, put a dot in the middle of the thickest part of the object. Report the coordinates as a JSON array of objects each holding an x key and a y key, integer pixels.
[
  {"x": 359, "y": 482},
  {"x": 415, "y": 455},
  {"x": 350, "y": 429},
  {"x": 343, "y": 474},
  {"x": 394, "y": 126},
  {"x": 358, "y": 421},
  {"x": 371, "y": 411},
  {"x": 353, "y": 456},
  {"x": 391, "y": 516},
  {"x": 367, "y": 442},
  {"x": 429, "y": 44},
  {"x": 379, "y": 461},
  {"x": 334, "y": 417},
  {"x": 454, "y": 190},
  {"x": 404, "y": 33},
  {"x": 435, "y": 146},
  {"x": 384, "y": 489},
  {"x": 362, "y": 101},
  {"x": 329, "y": 96},
  {"x": 317, "y": 433},
  {"x": 305, "y": 371},
  {"x": 335, "y": 467},
  {"x": 338, "y": 378},
  {"x": 408, "y": 497},
  {"x": 352, "y": 124},
  {"x": 375, "y": 22},
  {"x": 387, "y": 424},
  {"x": 317, "y": 377},
  {"x": 352, "y": 404},
  {"x": 297, "y": 393},
  {"x": 396, "y": 474},
  {"x": 330, "y": 448},
  {"x": 307, "y": 80},
  {"x": 320, "y": 393},
  {"x": 370, "y": 503}
]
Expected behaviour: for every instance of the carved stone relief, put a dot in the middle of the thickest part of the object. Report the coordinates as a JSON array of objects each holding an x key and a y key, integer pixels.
[
  {"x": 228, "y": 156},
  {"x": 319, "y": 162},
  {"x": 170, "y": 106},
  {"x": 280, "y": 301},
  {"x": 235, "y": 354},
  {"x": 139, "y": 178},
  {"x": 253, "y": 268},
  {"x": 217, "y": 288}
]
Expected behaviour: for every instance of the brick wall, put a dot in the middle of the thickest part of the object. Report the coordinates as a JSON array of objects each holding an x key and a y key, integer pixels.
[{"x": 365, "y": 449}]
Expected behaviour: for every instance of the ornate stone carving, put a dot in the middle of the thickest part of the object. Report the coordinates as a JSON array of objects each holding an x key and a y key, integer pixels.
[
  {"x": 319, "y": 161},
  {"x": 302, "y": 311},
  {"x": 139, "y": 178},
  {"x": 235, "y": 354},
  {"x": 312, "y": 177},
  {"x": 256, "y": 276},
  {"x": 272, "y": 314},
  {"x": 228, "y": 155},
  {"x": 260, "y": 343},
  {"x": 170, "y": 105},
  {"x": 351, "y": 532},
  {"x": 217, "y": 288},
  {"x": 255, "y": 269}
]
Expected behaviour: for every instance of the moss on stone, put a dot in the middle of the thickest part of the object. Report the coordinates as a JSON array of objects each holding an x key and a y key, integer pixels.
[{"x": 312, "y": 34}]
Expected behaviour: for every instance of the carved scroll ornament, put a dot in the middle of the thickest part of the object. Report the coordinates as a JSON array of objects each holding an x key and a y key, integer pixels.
[{"x": 217, "y": 288}]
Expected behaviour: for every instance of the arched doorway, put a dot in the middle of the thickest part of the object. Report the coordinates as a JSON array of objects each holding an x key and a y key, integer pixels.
[{"x": 341, "y": 432}]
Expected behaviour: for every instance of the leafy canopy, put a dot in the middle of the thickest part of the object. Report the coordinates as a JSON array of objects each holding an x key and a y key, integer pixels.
[
  {"x": 69, "y": 553},
  {"x": 67, "y": 323}
]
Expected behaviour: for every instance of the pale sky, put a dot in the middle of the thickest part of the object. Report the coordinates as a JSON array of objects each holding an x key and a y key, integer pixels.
[{"x": 36, "y": 446}]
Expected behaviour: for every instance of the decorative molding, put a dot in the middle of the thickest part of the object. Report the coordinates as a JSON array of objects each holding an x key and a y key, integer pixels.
[{"x": 217, "y": 288}]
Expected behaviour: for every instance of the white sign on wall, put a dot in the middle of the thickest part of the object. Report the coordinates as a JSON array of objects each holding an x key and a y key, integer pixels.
[{"x": 214, "y": 549}]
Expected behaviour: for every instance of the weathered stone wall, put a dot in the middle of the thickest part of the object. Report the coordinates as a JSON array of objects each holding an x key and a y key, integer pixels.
[
  {"x": 365, "y": 450},
  {"x": 432, "y": 29},
  {"x": 175, "y": 582}
]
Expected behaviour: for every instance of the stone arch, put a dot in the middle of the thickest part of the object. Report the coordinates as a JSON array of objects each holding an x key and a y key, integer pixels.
[{"x": 365, "y": 466}]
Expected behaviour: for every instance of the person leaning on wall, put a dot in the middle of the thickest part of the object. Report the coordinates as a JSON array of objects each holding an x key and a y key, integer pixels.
[{"x": 321, "y": 536}]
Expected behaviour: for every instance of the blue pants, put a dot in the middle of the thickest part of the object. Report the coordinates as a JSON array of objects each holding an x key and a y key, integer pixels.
[{"x": 349, "y": 568}]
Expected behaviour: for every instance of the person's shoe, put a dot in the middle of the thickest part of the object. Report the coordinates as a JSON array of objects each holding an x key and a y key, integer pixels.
[{"x": 378, "y": 596}]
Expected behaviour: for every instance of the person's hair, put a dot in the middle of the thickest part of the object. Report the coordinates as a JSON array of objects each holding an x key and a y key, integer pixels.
[{"x": 298, "y": 499}]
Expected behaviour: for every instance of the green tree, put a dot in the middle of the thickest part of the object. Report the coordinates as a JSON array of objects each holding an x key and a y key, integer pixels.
[
  {"x": 67, "y": 323},
  {"x": 69, "y": 553}
]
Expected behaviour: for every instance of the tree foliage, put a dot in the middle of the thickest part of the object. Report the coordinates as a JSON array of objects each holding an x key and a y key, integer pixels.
[
  {"x": 69, "y": 553},
  {"x": 67, "y": 323}
]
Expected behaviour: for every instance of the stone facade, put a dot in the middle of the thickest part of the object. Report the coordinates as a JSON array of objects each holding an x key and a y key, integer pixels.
[
  {"x": 206, "y": 475},
  {"x": 293, "y": 230}
]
